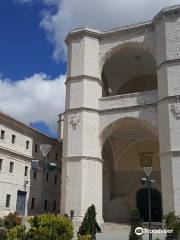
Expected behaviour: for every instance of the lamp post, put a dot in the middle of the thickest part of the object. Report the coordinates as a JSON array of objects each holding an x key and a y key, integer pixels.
[
  {"x": 45, "y": 149},
  {"x": 146, "y": 163}
]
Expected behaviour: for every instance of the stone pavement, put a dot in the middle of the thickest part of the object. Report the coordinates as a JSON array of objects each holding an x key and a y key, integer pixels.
[
  {"x": 112, "y": 231},
  {"x": 120, "y": 232}
]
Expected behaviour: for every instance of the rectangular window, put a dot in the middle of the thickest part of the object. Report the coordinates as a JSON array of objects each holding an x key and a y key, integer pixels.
[
  {"x": 56, "y": 157},
  {"x": 1, "y": 161},
  {"x": 27, "y": 144},
  {"x": 55, "y": 179},
  {"x": 47, "y": 177},
  {"x": 13, "y": 139},
  {"x": 2, "y": 134},
  {"x": 8, "y": 200},
  {"x": 34, "y": 174},
  {"x": 45, "y": 205},
  {"x": 54, "y": 206},
  {"x": 25, "y": 171},
  {"x": 35, "y": 148},
  {"x": 11, "y": 167},
  {"x": 32, "y": 203}
]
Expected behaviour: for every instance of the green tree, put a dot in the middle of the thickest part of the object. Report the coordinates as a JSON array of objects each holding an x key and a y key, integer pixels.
[
  {"x": 89, "y": 224},
  {"x": 136, "y": 221},
  {"x": 172, "y": 223}
]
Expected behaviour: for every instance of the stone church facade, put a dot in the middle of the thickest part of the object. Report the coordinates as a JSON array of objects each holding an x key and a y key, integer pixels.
[{"x": 122, "y": 103}]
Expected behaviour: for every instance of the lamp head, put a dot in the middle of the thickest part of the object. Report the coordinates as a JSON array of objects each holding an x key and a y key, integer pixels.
[
  {"x": 147, "y": 170},
  {"x": 45, "y": 149}
]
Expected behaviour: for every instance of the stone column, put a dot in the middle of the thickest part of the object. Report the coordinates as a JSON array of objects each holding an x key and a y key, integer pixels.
[
  {"x": 167, "y": 25},
  {"x": 82, "y": 163}
]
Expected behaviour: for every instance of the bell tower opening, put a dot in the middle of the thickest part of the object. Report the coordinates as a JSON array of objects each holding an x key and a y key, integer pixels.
[{"x": 129, "y": 70}]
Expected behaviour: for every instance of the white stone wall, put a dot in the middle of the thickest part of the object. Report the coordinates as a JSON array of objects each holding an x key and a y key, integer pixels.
[
  {"x": 19, "y": 147},
  {"x": 88, "y": 116},
  {"x": 11, "y": 183},
  {"x": 168, "y": 48}
]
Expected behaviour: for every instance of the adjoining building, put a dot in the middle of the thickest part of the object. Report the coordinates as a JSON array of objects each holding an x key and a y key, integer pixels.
[
  {"x": 122, "y": 108},
  {"x": 20, "y": 184}
]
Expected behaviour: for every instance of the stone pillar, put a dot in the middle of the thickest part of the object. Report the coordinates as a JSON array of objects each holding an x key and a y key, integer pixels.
[
  {"x": 167, "y": 25},
  {"x": 82, "y": 163}
]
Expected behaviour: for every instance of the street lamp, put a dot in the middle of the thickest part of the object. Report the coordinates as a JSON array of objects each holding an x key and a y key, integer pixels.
[
  {"x": 146, "y": 163},
  {"x": 45, "y": 149}
]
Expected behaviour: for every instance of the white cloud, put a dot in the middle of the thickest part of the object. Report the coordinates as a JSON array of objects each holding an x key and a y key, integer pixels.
[
  {"x": 100, "y": 14},
  {"x": 32, "y": 99}
]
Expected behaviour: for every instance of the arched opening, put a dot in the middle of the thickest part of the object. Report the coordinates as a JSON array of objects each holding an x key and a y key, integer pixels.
[
  {"x": 122, "y": 171},
  {"x": 129, "y": 70},
  {"x": 156, "y": 204}
]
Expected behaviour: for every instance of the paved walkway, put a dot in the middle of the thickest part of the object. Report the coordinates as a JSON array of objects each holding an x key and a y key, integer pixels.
[
  {"x": 112, "y": 231},
  {"x": 120, "y": 232}
]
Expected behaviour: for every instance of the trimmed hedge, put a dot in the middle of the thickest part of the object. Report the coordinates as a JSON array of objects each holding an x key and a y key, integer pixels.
[
  {"x": 16, "y": 233},
  {"x": 50, "y": 227}
]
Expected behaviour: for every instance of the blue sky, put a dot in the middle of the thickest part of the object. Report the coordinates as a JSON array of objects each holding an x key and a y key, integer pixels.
[
  {"x": 33, "y": 53},
  {"x": 24, "y": 48}
]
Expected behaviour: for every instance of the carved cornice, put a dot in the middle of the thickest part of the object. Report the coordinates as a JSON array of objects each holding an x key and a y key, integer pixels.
[
  {"x": 81, "y": 109},
  {"x": 80, "y": 158},
  {"x": 169, "y": 99},
  {"x": 154, "y": 93},
  {"x": 81, "y": 32},
  {"x": 168, "y": 62},
  {"x": 172, "y": 153},
  {"x": 173, "y": 10},
  {"x": 77, "y": 33},
  {"x": 83, "y": 78},
  {"x": 75, "y": 110}
]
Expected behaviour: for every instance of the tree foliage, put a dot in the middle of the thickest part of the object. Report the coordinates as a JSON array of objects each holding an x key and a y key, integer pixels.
[
  {"x": 88, "y": 226},
  {"x": 172, "y": 223},
  {"x": 136, "y": 221}
]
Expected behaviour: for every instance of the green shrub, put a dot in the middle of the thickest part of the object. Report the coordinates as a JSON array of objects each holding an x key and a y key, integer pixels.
[
  {"x": 11, "y": 220},
  {"x": 1, "y": 223},
  {"x": 16, "y": 233},
  {"x": 3, "y": 234},
  {"x": 136, "y": 221},
  {"x": 84, "y": 237},
  {"x": 50, "y": 227},
  {"x": 88, "y": 226},
  {"x": 172, "y": 222}
]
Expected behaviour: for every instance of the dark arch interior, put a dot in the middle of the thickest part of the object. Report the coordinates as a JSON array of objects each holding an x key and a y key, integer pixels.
[
  {"x": 124, "y": 140},
  {"x": 156, "y": 204},
  {"x": 129, "y": 70}
]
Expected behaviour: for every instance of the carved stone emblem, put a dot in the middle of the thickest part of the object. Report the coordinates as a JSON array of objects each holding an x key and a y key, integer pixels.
[
  {"x": 175, "y": 109},
  {"x": 75, "y": 120}
]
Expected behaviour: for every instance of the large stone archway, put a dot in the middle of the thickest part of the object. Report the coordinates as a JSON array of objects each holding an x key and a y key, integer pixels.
[{"x": 122, "y": 172}]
